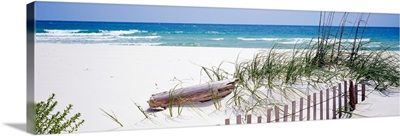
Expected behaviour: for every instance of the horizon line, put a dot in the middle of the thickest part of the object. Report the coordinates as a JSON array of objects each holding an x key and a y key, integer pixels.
[{"x": 203, "y": 23}]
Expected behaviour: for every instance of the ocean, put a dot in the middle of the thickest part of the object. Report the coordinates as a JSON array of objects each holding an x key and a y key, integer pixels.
[{"x": 205, "y": 35}]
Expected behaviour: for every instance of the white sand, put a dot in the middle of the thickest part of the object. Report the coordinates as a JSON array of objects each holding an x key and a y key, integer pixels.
[
  {"x": 379, "y": 104},
  {"x": 111, "y": 77}
]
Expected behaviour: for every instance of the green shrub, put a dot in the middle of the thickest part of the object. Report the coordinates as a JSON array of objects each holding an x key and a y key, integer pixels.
[{"x": 49, "y": 123}]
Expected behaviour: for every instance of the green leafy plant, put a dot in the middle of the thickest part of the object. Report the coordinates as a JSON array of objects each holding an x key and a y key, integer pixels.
[{"x": 48, "y": 122}]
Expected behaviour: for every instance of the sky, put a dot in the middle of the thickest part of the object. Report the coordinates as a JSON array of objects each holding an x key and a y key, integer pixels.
[{"x": 174, "y": 14}]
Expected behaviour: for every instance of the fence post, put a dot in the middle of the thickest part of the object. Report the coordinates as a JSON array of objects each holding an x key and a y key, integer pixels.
[
  {"x": 248, "y": 119},
  {"x": 351, "y": 96},
  {"x": 276, "y": 114},
  {"x": 238, "y": 119},
  {"x": 285, "y": 113},
  {"x": 293, "y": 110},
  {"x": 340, "y": 99},
  {"x": 327, "y": 103},
  {"x": 363, "y": 92},
  {"x": 345, "y": 97},
  {"x": 227, "y": 121},
  {"x": 301, "y": 110},
  {"x": 321, "y": 105},
  {"x": 334, "y": 103},
  {"x": 308, "y": 106},
  {"x": 269, "y": 115},
  {"x": 259, "y": 119},
  {"x": 314, "y": 106}
]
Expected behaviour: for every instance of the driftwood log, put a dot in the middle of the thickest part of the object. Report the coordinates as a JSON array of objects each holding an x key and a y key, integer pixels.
[{"x": 194, "y": 94}]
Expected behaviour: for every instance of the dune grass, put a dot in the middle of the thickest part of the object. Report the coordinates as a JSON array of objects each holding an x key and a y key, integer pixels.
[
  {"x": 327, "y": 59},
  {"x": 270, "y": 72},
  {"x": 173, "y": 100},
  {"x": 215, "y": 73},
  {"x": 112, "y": 116},
  {"x": 380, "y": 67},
  {"x": 146, "y": 115}
]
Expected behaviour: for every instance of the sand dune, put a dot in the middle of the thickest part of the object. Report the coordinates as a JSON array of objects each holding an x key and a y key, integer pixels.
[{"x": 114, "y": 77}]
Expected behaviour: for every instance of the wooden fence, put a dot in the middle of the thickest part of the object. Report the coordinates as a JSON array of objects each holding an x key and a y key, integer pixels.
[{"x": 342, "y": 99}]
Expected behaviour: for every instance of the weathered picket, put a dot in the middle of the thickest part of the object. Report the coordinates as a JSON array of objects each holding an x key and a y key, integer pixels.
[
  {"x": 308, "y": 107},
  {"x": 321, "y": 106},
  {"x": 327, "y": 104},
  {"x": 293, "y": 110},
  {"x": 340, "y": 99},
  {"x": 346, "y": 104},
  {"x": 285, "y": 113},
  {"x": 227, "y": 121},
  {"x": 301, "y": 110},
  {"x": 238, "y": 119},
  {"x": 314, "y": 106},
  {"x": 269, "y": 115},
  {"x": 334, "y": 103},
  {"x": 276, "y": 114},
  {"x": 248, "y": 118}
]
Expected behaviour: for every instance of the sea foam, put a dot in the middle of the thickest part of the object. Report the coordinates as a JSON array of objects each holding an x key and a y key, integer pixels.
[
  {"x": 217, "y": 39},
  {"x": 257, "y": 39},
  {"x": 57, "y": 31},
  {"x": 85, "y": 36}
]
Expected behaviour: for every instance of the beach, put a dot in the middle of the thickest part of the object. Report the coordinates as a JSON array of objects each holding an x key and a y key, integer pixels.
[{"x": 115, "y": 77}]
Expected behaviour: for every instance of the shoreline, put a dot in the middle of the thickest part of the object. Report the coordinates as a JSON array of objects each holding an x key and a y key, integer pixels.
[{"x": 211, "y": 47}]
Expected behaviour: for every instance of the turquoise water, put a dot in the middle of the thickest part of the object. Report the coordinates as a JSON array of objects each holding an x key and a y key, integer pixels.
[{"x": 203, "y": 35}]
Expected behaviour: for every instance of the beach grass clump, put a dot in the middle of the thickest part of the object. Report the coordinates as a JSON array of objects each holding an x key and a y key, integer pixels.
[
  {"x": 334, "y": 51},
  {"x": 251, "y": 75},
  {"x": 112, "y": 116},
  {"x": 294, "y": 68},
  {"x": 215, "y": 99},
  {"x": 48, "y": 122},
  {"x": 380, "y": 67},
  {"x": 215, "y": 73},
  {"x": 264, "y": 75},
  {"x": 172, "y": 100},
  {"x": 267, "y": 73},
  {"x": 237, "y": 97},
  {"x": 333, "y": 42}
]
